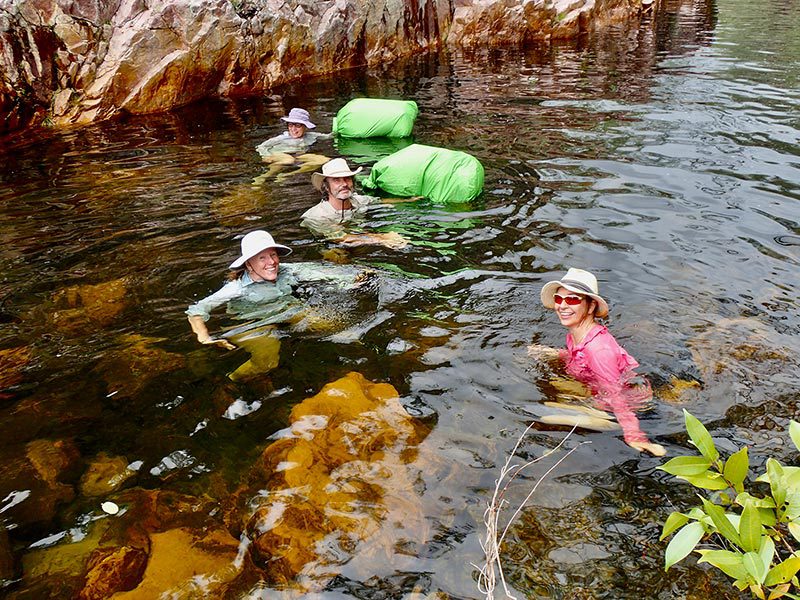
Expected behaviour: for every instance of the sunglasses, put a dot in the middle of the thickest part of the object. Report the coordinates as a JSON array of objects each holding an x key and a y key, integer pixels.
[{"x": 570, "y": 300}]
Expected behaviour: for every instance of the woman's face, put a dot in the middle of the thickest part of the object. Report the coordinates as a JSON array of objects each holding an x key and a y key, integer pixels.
[
  {"x": 296, "y": 130},
  {"x": 264, "y": 265},
  {"x": 572, "y": 315}
]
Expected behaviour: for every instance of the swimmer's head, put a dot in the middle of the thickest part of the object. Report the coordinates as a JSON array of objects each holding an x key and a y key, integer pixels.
[
  {"x": 577, "y": 283},
  {"x": 260, "y": 256},
  {"x": 334, "y": 172},
  {"x": 298, "y": 122}
]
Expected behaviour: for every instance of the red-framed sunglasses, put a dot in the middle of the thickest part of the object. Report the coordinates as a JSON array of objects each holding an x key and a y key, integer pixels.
[{"x": 570, "y": 300}]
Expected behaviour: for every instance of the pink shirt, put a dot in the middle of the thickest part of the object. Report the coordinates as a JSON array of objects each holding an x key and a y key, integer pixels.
[{"x": 602, "y": 364}]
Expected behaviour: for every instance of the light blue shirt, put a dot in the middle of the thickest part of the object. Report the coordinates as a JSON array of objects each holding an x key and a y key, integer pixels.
[
  {"x": 289, "y": 145},
  {"x": 271, "y": 302}
]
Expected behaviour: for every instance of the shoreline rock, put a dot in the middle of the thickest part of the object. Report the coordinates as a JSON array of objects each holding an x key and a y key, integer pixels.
[{"x": 74, "y": 63}]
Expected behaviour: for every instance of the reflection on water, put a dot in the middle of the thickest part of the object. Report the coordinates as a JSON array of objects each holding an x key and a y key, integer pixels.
[{"x": 664, "y": 159}]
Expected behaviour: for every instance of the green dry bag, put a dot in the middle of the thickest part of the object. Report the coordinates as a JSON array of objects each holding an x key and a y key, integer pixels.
[
  {"x": 436, "y": 173},
  {"x": 375, "y": 117}
]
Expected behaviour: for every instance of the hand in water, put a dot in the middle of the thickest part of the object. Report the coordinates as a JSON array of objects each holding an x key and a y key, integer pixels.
[
  {"x": 218, "y": 342},
  {"x": 364, "y": 277},
  {"x": 392, "y": 240},
  {"x": 540, "y": 352},
  {"x": 654, "y": 449}
]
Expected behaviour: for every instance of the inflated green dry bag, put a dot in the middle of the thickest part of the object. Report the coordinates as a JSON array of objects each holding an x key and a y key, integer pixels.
[
  {"x": 375, "y": 117},
  {"x": 436, "y": 173}
]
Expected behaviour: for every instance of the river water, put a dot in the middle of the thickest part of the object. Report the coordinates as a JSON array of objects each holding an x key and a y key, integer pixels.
[{"x": 664, "y": 159}]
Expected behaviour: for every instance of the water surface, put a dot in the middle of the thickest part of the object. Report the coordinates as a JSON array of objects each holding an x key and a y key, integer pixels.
[{"x": 664, "y": 159}]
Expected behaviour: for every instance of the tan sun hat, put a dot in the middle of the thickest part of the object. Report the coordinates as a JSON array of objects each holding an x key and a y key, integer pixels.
[
  {"x": 580, "y": 282},
  {"x": 337, "y": 167},
  {"x": 256, "y": 241}
]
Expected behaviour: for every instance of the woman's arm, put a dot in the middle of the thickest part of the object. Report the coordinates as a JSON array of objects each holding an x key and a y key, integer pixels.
[
  {"x": 610, "y": 387},
  {"x": 200, "y": 312},
  {"x": 201, "y": 331}
]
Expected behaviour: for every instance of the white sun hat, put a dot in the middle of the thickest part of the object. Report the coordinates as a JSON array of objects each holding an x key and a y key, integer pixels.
[
  {"x": 337, "y": 167},
  {"x": 300, "y": 116},
  {"x": 256, "y": 241},
  {"x": 580, "y": 282}
]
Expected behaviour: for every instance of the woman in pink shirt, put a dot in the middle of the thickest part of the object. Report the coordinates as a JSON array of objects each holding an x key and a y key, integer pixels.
[{"x": 594, "y": 357}]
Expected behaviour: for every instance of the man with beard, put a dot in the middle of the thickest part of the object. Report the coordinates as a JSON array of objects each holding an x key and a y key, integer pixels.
[{"x": 340, "y": 204}]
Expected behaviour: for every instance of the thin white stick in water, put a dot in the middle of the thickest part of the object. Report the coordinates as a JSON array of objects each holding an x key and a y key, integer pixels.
[{"x": 488, "y": 574}]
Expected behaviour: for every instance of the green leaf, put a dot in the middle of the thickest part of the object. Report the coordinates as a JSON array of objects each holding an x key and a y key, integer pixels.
[
  {"x": 707, "y": 481},
  {"x": 776, "y": 485},
  {"x": 673, "y": 522},
  {"x": 767, "y": 516},
  {"x": 736, "y": 468},
  {"x": 721, "y": 522},
  {"x": 750, "y": 528},
  {"x": 794, "y": 433},
  {"x": 767, "y": 550},
  {"x": 743, "y": 498},
  {"x": 794, "y": 529},
  {"x": 792, "y": 475},
  {"x": 683, "y": 543},
  {"x": 700, "y": 436},
  {"x": 681, "y": 466},
  {"x": 779, "y": 591},
  {"x": 783, "y": 572},
  {"x": 726, "y": 561},
  {"x": 757, "y": 591},
  {"x": 755, "y": 566}
]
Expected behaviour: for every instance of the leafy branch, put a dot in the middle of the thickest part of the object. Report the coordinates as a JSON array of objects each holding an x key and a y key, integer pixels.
[{"x": 751, "y": 538}]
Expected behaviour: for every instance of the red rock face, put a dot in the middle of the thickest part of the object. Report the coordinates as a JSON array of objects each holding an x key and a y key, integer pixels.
[{"x": 66, "y": 63}]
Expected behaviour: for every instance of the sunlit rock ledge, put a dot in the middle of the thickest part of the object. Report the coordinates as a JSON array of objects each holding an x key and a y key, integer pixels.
[{"x": 76, "y": 61}]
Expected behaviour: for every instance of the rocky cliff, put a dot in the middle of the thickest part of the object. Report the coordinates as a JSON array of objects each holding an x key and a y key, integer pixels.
[{"x": 75, "y": 61}]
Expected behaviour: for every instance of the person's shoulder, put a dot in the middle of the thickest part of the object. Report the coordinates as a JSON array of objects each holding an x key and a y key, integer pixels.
[
  {"x": 600, "y": 339},
  {"x": 277, "y": 138},
  {"x": 318, "y": 211},
  {"x": 316, "y": 135},
  {"x": 360, "y": 200}
]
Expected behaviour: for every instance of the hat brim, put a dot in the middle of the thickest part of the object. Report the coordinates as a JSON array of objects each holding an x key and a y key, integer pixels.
[
  {"x": 318, "y": 178},
  {"x": 279, "y": 248},
  {"x": 308, "y": 124},
  {"x": 551, "y": 287}
]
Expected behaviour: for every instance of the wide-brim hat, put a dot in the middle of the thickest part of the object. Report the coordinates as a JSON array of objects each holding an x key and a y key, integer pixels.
[
  {"x": 580, "y": 282},
  {"x": 299, "y": 115},
  {"x": 337, "y": 167},
  {"x": 255, "y": 242}
]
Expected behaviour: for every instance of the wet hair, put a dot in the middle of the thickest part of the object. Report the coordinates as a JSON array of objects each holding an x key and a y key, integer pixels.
[
  {"x": 326, "y": 188},
  {"x": 235, "y": 274}
]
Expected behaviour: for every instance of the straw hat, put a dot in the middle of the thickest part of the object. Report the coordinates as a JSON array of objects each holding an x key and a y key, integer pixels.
[
  {"x": 580, "y": 282},
  {"x": 333, "y": 168},
  {"x": 256, "y": 241}
]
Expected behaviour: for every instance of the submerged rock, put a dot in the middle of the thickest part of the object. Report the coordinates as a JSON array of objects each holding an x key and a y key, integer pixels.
[
  {"x": 134, "y": 363},
  {"x": 6, "y": 558},
  {"x": 52, "y": 459},
  {"x": 160, "y": 542},
  {"x": 185, "y": 563},
  {"x": 104, "y": 475},
  {"x": 34, "y": 485},
  {"x": 744, "y": 346},
  {"x": 113, "y": 570},
  {"x": 81, "y": 308},
  {"x": 58, "y": 571},
  {"x": 340, "y": 483},
  {"x": 12, "y": 361}
]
